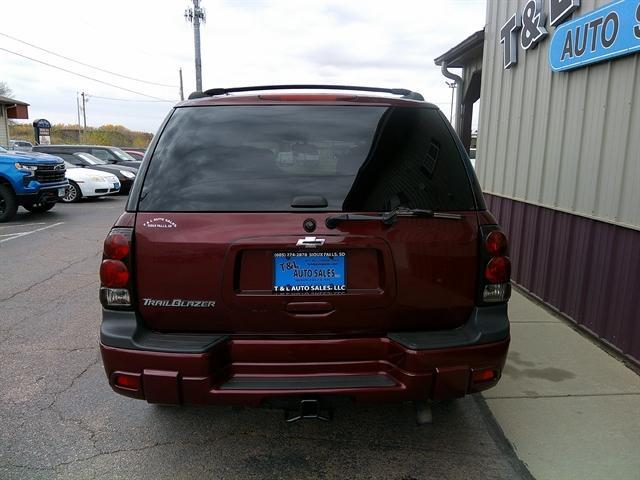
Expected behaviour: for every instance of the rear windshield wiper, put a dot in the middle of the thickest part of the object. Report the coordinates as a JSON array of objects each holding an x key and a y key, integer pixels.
[{"x": 389, "y": 218}]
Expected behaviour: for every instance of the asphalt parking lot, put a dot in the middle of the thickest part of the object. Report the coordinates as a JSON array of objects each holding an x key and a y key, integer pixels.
[{"x": 60, "y": 419}]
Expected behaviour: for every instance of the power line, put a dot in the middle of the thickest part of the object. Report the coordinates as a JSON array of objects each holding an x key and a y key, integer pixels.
[
  {"x": 83, "y": 76},
  {"x": 86, "y": 64}
]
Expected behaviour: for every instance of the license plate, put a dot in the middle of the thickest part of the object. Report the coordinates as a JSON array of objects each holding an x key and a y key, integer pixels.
[
  {"x": 61, "y": 192},
  {"x": 309, "y": 272}
]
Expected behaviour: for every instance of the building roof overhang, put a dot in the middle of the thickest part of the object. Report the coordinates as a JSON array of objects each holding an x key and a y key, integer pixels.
[{"x": 466, "y": 52}]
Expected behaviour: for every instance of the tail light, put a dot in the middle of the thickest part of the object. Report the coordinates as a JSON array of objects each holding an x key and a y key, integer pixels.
[
  {"x": 496, "y": 265},
  {"x": 115, "y": 277}
]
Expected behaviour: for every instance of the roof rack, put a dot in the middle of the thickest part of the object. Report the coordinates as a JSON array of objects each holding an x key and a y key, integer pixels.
[{"x": 403, "y": 92}]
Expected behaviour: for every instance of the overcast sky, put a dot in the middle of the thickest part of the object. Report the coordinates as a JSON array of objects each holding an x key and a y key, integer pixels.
[{"x": 244, "y": 42}]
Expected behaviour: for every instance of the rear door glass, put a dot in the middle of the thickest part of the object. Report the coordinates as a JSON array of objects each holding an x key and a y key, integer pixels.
[{"x": 260, "y": 158}]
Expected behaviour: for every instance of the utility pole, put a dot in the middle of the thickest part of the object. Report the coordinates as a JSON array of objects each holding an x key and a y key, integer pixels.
[
  {"x": 195, "y": 15},
  {"x": 181, "y": 89},
  {"x": 452, "y": 86},
  {"x": 78, "y": 107},
  {"x": 84, "y": 109}
]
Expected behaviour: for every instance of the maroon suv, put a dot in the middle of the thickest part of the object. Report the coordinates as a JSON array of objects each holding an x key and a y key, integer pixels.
[{"x": 281, "y": 242}]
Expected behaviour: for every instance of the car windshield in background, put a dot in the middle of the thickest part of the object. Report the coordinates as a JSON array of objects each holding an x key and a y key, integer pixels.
[
  {"x": 122, "y": 155},
  {"x": 3, "y": 150},
  {"x": 91, "y": 159},
  {"x": 357, "y": 158}
]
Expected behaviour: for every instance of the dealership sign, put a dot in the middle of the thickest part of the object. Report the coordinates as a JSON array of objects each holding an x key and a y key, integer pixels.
[
  {"x": 611, "y": 31},
  {"x": 608, "y": 32}
]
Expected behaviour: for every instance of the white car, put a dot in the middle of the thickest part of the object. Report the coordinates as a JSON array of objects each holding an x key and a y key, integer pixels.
[
  {"x": 86, "y": 182},
  {"x": 20, "y": 145}
]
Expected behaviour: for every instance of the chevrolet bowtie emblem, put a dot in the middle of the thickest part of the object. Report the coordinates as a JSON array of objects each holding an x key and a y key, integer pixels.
[{"x": 310, "y": 242}]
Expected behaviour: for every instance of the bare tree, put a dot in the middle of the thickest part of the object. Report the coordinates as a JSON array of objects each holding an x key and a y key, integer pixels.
[{"x": 5, "y": 90}]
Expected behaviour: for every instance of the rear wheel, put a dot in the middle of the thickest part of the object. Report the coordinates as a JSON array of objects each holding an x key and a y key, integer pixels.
[
  {"x": 8, "y": 204},
  {"x": 39, "y": 207},
  {"x": 73, "y": 193}
]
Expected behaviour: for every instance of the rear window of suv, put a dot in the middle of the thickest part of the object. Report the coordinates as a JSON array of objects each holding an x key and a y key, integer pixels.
[{"x": 259, "y": 158}]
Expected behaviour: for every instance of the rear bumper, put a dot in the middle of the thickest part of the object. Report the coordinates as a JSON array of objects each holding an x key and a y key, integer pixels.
[
  {"x": 206, "y": 369},
  {"x": 98, "y": 189}
]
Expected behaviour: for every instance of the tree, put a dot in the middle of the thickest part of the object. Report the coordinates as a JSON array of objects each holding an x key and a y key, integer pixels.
[{"x": 5, "y": 90}]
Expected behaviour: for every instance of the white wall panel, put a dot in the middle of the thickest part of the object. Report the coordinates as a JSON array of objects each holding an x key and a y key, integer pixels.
[{"x": 4, "y": 128}]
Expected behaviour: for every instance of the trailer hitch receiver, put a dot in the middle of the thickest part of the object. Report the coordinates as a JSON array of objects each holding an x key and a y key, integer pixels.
[{"x": 309, "y": 409}]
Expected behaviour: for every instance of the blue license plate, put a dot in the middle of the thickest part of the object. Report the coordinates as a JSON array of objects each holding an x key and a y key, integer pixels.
[{"x": 309, "y": 272}]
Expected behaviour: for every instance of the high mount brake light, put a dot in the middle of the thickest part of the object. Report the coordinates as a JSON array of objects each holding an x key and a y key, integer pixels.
[
  {"x": 115, "y": 269},
  {"x": 309, "y": 97}
]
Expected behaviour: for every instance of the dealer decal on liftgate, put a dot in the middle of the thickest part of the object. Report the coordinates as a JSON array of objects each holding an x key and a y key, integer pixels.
[{"x": 608, "y": 32}]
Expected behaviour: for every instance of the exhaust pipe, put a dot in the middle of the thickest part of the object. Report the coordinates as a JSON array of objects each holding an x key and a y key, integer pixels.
[{"x": 424, "y": 415}]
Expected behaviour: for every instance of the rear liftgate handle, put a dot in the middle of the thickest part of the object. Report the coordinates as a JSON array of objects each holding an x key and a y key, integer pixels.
[{"x": 309, "y": 308}]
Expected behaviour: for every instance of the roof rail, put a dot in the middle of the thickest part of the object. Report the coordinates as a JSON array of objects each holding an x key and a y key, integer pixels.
[{"x": 403, "y": 92}]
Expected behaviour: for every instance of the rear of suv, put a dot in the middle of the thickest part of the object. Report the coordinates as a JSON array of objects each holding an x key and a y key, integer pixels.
[{"x": 304, "y": 242}]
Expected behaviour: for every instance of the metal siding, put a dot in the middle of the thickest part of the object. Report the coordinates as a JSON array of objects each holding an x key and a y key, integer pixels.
[
  {"x": 536, "y": 154},
  {"x": 492, "y": 108},
  {"x": 513, "y": 130},
  {"x": 575, "y": 128},
  {"x": 553, "y": 144},
  {"x": 629, "y": 205},
  {"x": 585, "y": 183},
  {"x": 623, "y": 78},
  {"x": 586, "y": 269},
  {"x": 556, "y": 285},
  {"x": 567, "y": 140},
  {"x": 525, "y": 138}
]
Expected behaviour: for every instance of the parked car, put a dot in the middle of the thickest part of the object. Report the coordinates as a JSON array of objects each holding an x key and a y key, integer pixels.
[
  {"x": 108, "y": 154},
  {"x": 125, "y": 175},
  {"x": 87, "y": 182},
  {"x": 33, "y": 181},
  {"x": 367, "y": 268},
  {"x": 20, "y": 145},
  {"x": 137, "y": 154}
]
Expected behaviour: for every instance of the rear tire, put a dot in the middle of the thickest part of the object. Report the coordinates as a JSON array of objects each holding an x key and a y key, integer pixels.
[
  {"x": 8, "y": 204},
  {"x": 73, "y": 193},
  {"x": 39, "y": 207}
]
